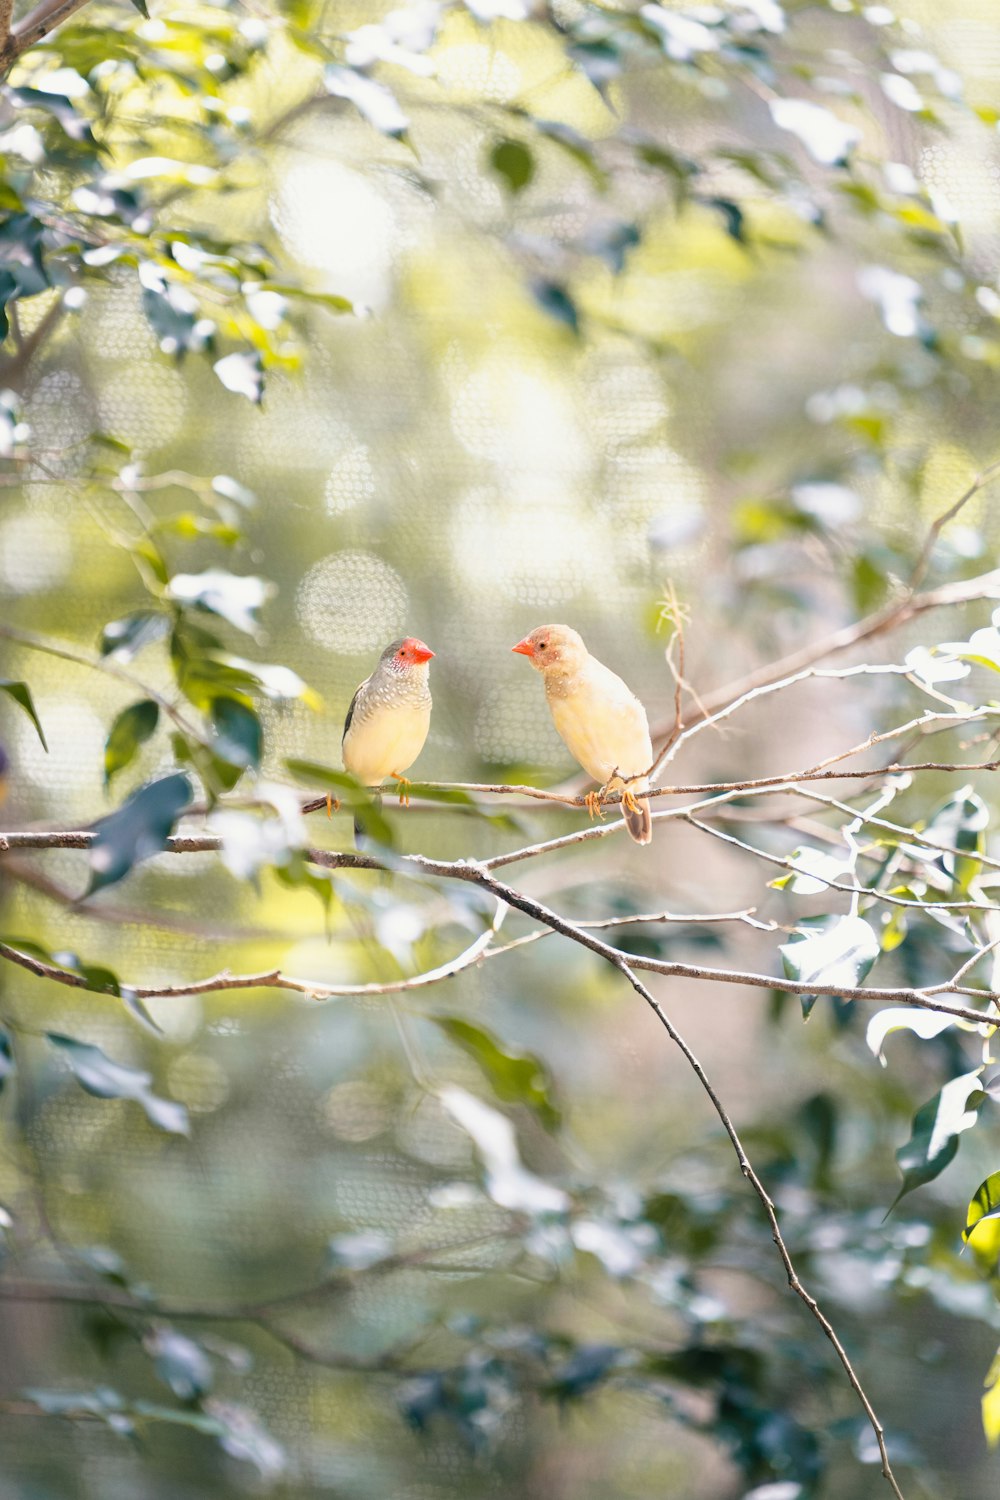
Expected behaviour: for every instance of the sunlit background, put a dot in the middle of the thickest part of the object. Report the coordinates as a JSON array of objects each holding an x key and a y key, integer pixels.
[{"x": 748, "y": 422}]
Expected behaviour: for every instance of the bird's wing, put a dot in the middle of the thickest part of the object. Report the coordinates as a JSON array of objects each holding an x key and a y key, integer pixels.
[
  {"x": 354, "y": 704},
  {"x": 603, "y": 724}
]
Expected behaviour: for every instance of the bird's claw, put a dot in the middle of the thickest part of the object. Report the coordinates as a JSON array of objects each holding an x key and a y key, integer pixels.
[
  {"x": 593, "y": 805},
  {"x": 629, "y": 800},
  {"x": 332, "y": 804},
  {"x": 404, "y": 782}
]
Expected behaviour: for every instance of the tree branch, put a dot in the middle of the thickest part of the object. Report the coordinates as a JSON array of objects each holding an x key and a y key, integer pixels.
[
  {"x": 767, "y": 1203},
  {"x": 38, "y": 23}
]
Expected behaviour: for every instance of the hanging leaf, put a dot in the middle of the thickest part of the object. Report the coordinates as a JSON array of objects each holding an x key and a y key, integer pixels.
[
  {"x": 231, "y": 597},
  {"x": 239, "y": 736},
  {"x": 962, "y": 822},
  {"x": 137, "y": 829},
  {"x": 132, "y": 728},
  {"x": 555, "y": 300},
  {"x": 6, "y": 1058},
  {"x": 125, "y": 638},
  {"x": 508, "y": 1181},
  {"x": 923, "y": 1023},
  {"x": 982, "y": 1224},
  {"x": 101, "y": 1076},
  {"x": 515, "y": 1077},
  {"x": 373, "y": 101},
  {"x": 243, "y": 374},
  {"x": 829, "y": 951},
  {"x": 180, "y": 1363},
  {"x": 21, "y": 694},
  {"x": 936, "y": 1129},
  {"x": 991, "y": 1402}
]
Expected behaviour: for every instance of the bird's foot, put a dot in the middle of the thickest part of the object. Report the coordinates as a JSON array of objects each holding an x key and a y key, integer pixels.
[
  {"x": 593, "y": 804},
  {"x": 629, "y": 800},
  {"x": 332, "y": 804},
  {"x": 404, "y": 782}
]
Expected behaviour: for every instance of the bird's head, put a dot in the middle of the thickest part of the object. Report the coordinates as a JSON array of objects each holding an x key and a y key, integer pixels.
[
  {"x": 405, "y": 654},
  {"x": 553, "y": 647}
]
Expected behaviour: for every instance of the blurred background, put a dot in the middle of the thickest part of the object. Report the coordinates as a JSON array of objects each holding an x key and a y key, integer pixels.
[{"x": 610, "y": 331}]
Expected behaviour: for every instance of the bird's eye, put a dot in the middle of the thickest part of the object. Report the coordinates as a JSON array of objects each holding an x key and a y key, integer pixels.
[{"x": 542, "y": 645}]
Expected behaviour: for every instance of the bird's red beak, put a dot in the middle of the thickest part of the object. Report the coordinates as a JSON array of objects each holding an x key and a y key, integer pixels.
[
  {"x": 524, "y": 648},
  {"x": 417, "y": 651}
]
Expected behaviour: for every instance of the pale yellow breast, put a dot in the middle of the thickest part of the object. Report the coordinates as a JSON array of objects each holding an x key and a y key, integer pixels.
[
  {"x": 386, "y": 742},
  {"x": 602, "y": 723}
]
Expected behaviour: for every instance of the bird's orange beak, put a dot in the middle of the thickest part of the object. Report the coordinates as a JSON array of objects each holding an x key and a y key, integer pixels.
[
  {"x": 524, "y": 648},
  {"x": 418, "y": 651}
]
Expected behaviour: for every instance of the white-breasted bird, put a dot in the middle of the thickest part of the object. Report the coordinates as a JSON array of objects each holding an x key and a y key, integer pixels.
[
  {"x": 389, "y": 716},
  {"x": 599, "y": 718}
]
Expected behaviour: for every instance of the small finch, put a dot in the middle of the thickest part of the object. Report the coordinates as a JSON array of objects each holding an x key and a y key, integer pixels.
[
  {"x": 389, "y": 716},
  {"x": 601, "y": 721}
]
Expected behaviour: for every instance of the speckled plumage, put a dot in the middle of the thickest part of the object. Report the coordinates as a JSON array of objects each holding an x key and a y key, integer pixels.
[{"x": 388, "y": 719}]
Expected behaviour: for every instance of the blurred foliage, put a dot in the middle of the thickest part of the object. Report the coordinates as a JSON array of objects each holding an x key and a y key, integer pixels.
[{"x": 325, "y": 322}]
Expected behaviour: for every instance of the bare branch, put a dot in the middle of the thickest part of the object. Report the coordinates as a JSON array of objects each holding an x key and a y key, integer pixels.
[
  {"x": 83, "y": 658},
  {"x": 767, "y": 1203},
  {"x": 34, "y": 26},
  {"x": 835, "y": 885}
]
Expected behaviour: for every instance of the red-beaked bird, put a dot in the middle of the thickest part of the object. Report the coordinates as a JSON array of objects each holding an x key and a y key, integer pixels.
[
  {"x": 389, "y": 716},
  {"x": 599, "y": 718}
]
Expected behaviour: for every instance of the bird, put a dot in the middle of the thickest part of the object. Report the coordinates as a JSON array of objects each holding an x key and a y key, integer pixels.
[
  {"x": 601, "y": 721},
  {"x": 389, "y": 717}
]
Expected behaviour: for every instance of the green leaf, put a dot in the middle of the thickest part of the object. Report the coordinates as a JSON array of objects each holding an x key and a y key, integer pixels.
[
  {"x": 239, "y": 736},
  {"x": 180, "y": 1363},
  {"x": 555, "y": 300},
  {"x": 982, "y": 1224},
  {"x": 373, "y": 101},
  {"x": 101, "y": 1076},
  {"x": 829, "y": 951},
  {"x": 514, "y": 163},
  {"x": 231, "y": 597},
  {"x": 515, "y": 1077},
  {"x": 125, "y": 638},
  {"x": 243, "y": 374},
  {"x": 7, "y": 1064},
  {"x": 923, "y": 1023},
  {"x": 962, "y": 822},
  {"x": 937, "y": 1126},
  {"x": 137, "y": 829},
  {"x": 991, "y": 1402},
  {"x": 21, "y": 694},
  {"x": 132, "y": 728}
]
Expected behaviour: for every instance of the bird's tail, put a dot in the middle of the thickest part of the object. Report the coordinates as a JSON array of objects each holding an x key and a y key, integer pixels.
[
  {"x": 635, "y": 812},
  {"x": 359, "y": 826}
]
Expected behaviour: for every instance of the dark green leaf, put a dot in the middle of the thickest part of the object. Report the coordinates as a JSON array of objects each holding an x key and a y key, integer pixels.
[
  {"x": 937, "y": 1126},
  {"x": 514, "y": 163},
  {"x": 21, "y": 694},
  {"x": 137, "y": 829},
  {"x": 556, "y": 301},
  {"x": 515, "y": 1077},
  {"x": 132, "y": 728},
  {"x": 239, "y": 737},
  {"x": 101, "y": 1076},
  {"x": 7, "y": 1064},
  {"x": 125, "y": 638}
]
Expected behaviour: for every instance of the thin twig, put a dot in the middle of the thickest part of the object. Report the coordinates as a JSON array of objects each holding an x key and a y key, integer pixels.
[{"x": 767, "y": 1203}]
